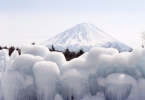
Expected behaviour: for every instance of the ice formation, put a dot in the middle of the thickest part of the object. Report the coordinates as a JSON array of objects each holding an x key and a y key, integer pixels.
[
  {"x": 120, "y": 86},
  {"x": 17, "y": 79},
  {"x": 36, "y": 50},
  {"x": 99, "y": 74},
  {"x": 13, "y": 57},
  {"x": 73, "y": 86},
  {"x": 46, "y": 75},
  {"x": 11, "y": 83},
  {"x": 4, "y": 58},
  {"x": 56, "y": 57}
]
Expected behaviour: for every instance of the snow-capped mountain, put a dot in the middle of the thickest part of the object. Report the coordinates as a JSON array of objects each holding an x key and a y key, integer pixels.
[{"x": 84, "y": 36}]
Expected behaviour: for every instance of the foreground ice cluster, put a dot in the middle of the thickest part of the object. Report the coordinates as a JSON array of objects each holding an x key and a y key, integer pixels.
[{"x": 100, "y": 74}]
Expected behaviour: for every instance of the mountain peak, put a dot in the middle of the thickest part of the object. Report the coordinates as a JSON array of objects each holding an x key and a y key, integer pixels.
[
  {"x": 83, "y": 24},
  {"x": 84, "y": 36}
]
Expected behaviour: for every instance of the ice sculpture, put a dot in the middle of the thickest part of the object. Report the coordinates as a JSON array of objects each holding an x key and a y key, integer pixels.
[
  {"x": 36, "y": 50},
  {"x": 46, "y": 75},
  {"x": 99, "y": 74}
]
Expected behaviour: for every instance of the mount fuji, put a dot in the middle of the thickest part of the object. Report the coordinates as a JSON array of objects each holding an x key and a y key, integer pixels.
[{"x": 84, "y": 36}]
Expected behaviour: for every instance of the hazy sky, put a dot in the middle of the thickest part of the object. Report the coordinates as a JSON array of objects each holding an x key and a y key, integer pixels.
[{"x": 27, "y": 21}]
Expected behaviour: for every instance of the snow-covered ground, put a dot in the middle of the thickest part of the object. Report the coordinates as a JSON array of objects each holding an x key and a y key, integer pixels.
[
  {"x": 99, "y": 74},
  {"x": 84, "y": 36}
]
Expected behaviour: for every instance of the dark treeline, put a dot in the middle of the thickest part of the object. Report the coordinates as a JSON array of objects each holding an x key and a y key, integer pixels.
[
  {"x": 11, "y": 49},
  {"x": 67, "y": 53}
]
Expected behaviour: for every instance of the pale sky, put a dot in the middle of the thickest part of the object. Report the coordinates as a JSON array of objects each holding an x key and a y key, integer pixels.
[{"x": 27, "y": 21}]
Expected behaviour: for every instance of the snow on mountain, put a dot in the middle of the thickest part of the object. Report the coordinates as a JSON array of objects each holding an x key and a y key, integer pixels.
[{"x": 84, "y": 36}]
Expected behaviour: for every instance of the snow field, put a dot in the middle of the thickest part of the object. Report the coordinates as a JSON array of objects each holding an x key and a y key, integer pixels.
[{"x": 99, "y": 74}]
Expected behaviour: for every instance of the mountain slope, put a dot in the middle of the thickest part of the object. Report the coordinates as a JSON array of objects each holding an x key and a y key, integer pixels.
[{"x": 84, "y": 36}]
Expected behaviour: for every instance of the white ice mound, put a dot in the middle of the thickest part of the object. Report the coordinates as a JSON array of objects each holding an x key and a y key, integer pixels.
[
  {"x": 3, "y": 59},
  {"x": 97, "y": 51},
  {"x": 73, "y": 85},
  {"x": 24, "y": 64},
  {"x": 46, "y": 75},
  {"x": 13, "y": 57},
  {"x": 3, "y": 52},
  {"x": 102, "y": 74},
  {"x": 96, "y": 97},
  {"x": 11, "y": 83},
  {"x": 56, "y": 57},
  {"x": 74, "y": 88},
  {"x": 58, "y": 97},
  {"x": 1, "y": 92},
  {"x": 36, "y": 50},
  {"x": 141, "y": 87},
  {"x": 121, "y": 87},
  {"x": 19, "y": 77},
  {"x": 2, "y": 65}
]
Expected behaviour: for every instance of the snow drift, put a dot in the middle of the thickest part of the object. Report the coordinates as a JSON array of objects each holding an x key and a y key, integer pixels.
[{"x": 99, "y": 74}]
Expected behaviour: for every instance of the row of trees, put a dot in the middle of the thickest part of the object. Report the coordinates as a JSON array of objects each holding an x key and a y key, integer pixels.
[
  {"x": 67, "y": 53},
  {"x": 11, "y": 49}
]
